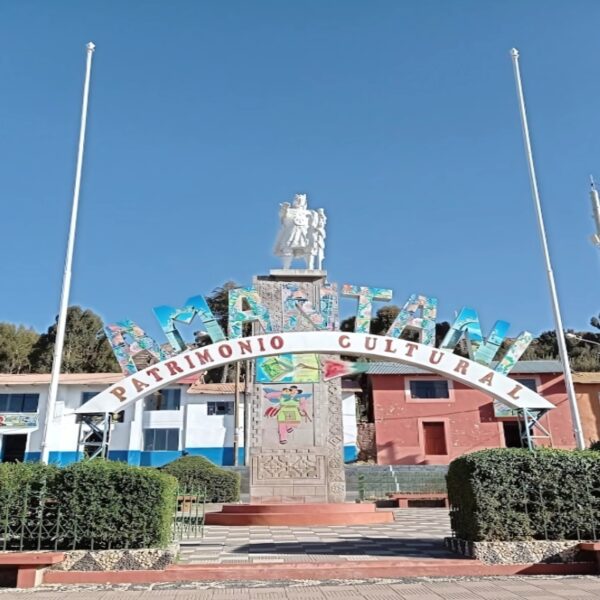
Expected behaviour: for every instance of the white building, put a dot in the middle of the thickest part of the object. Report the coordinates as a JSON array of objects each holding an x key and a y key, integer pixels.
[{"x": 187, "y": 417}]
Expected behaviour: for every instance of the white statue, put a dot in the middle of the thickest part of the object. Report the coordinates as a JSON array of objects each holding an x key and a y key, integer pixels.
[
  {"x": 321, "y": 221},
  {"x": 302, "y": 233}
]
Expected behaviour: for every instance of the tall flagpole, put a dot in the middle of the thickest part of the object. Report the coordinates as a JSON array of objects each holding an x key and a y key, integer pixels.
[
  {"x": 560, "y": 333},
  {"x": 66, "y": 286}
]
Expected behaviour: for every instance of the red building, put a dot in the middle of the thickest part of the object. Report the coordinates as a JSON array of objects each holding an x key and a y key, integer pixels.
[{"x": 421, "y": 418}]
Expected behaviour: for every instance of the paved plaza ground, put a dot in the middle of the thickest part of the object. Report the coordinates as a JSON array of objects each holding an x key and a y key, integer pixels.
[
  {"x": 513, "y": 588},
  {"x": 415, "y": 533}
]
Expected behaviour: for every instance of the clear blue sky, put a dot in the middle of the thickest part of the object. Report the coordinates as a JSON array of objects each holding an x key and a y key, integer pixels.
[{"x": 399, "y": 118}]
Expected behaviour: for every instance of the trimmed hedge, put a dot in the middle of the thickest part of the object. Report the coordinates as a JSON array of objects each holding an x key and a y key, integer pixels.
[
  {"x": 117, "y": 505},
  {"x": 91, "y": 504},
  {"x": 194, "y": 473},
  {"x": 22, "y": 490},
  {"x": 515, "y": 494}
]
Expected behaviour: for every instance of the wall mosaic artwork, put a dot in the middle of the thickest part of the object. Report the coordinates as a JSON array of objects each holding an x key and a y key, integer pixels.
[
  {"x": 288, "y": 368},
  {"x": 288, "y": 412}
]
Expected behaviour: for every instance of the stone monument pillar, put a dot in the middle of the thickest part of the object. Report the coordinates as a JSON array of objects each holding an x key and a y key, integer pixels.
[{"x": 296, "y": 437}]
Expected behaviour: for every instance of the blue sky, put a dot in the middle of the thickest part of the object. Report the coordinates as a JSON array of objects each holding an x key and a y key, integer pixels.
[{"x": 399, "y": 118}]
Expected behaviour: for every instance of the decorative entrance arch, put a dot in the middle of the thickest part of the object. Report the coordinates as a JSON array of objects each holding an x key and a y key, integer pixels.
[{"x": 442, "y": 362}]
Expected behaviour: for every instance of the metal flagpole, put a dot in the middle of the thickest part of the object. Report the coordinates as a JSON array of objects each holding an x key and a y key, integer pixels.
[
  {"x": 66, "y": 286},
  {"x": 560, "y": 333}
]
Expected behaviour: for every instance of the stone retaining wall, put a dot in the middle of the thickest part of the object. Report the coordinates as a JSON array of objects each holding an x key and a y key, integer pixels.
[
  {"x": 365, "y": 440},
  {"x": 511, "y": 553},
  {"x": 118, "y": 560}
]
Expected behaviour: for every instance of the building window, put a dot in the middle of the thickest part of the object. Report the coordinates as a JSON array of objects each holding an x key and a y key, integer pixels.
[
  {"x": 512, "y": 434},
  {"x": 161, "y": 439},
  {"x": 219, "y": 408},
  {"x": 118, "y": 417},
  {"x": 530, "y": 383},
  {"x": 169, "y": 399},
  {"x": 87, "y": 396},
  {"x": 434, "y": 437},
  {"x": 427, "y": 389},
  {"x": 19, "y": 403}
]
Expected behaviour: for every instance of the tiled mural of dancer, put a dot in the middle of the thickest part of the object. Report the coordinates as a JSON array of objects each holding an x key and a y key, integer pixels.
[{"x": 289, "y": 407}]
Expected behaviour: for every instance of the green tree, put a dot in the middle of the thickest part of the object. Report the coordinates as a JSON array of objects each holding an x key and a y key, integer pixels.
[
  {"x": 86, "y": 348},
  {"x": 16, "y": 344},
  {"x": 583, "y": 353}
]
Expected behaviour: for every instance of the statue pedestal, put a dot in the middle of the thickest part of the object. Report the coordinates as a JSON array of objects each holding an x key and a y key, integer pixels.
[
  {"x": 292, "y": 459},
  {"x": 297, "y": 275}
]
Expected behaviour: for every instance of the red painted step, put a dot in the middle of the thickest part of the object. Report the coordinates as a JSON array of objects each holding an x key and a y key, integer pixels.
[
  {"x": 367, "y": 507},
  {"x": 298, "y": 514}
]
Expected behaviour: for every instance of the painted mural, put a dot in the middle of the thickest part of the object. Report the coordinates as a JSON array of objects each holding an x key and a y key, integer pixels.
[
  {"x": 288, "y": 412},
  {"x": 501, "y": 410},
  {"x": 288, "y": 368},
  {"x": 20, "y": 421}
]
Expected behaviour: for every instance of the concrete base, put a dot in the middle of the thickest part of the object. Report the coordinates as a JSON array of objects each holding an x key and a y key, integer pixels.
[
  {"x": 297, "y": 274},
  {"x": 298, "y": 514}
]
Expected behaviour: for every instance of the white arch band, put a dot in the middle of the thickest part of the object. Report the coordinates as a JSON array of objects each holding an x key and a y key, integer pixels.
[{"x": 443, "y": 362}]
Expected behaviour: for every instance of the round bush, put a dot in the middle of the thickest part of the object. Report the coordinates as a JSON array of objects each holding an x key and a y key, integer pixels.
[{"x": 195, "y": 473}]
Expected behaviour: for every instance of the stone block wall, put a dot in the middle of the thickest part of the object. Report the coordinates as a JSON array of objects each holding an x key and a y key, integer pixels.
[{"x": 309, "y": 467}]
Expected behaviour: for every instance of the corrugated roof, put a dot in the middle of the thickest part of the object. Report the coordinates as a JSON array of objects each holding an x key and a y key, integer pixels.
[
  {"x": 522, "y": 367},
  {"x": 213, "y": 388},
  {"x": 77, "y": 379},
  {"x": 593, "y": 377}
]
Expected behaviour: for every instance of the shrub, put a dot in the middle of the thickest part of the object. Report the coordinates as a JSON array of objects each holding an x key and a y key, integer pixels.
[
  {"x": 23, "y": 488},
  {"x": 196, "y": 473},
  {"x": 595, "y": 446},
  {"x": 92, "y": 504},
  {"x": 112, "y": 504},
  {"x": 515, "y": 494}
]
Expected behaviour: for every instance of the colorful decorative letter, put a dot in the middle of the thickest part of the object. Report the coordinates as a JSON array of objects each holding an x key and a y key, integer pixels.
[
  {"x": 297, "y": 304},
  {"x": 366, "y": 297},
  {"x": 238, "y": 316},
  {"x": 425, "y": 323},
  {"x": 467, "y": 324},
  {"x": 509, "y": 360},
  {"x": 167, "y": 315},
  {"x": 124, "y": 352}
]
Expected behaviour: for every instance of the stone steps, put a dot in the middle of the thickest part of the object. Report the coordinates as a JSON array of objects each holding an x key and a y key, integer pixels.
[{"x": 303, "y": 515}]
